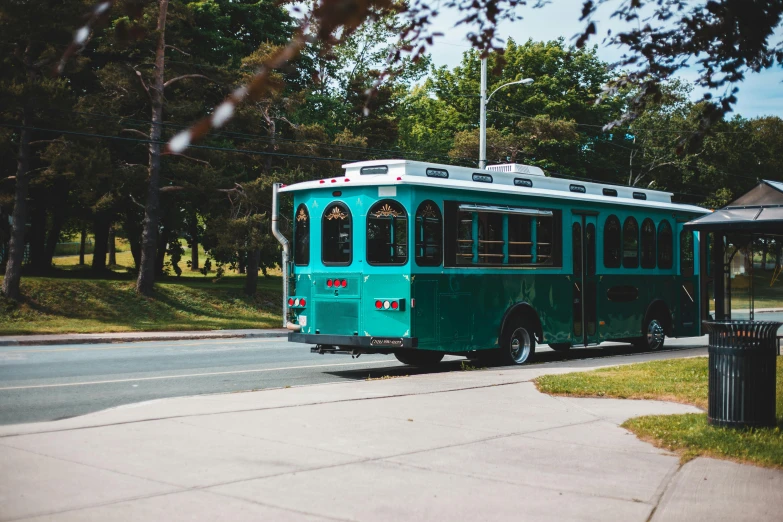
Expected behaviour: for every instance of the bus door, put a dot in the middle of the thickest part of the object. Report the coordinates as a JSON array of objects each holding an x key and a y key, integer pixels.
[{"x": 585, "y": 281}]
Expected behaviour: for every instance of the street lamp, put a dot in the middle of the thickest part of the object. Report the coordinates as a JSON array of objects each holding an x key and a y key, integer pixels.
[{"x": 484, "y": 101}]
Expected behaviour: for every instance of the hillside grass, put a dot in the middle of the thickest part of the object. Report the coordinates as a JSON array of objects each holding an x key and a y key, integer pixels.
[
  {"x": 73, "y": 304},
  {"x": 689, "y": 435}
]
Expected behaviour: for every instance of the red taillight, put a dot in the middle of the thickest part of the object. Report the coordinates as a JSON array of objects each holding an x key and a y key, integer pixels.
[
  {"x": 344, "y": 283},
  {"x": 291, "y": 301},
  {"x": 378, "y": 305},
  {"x": 395, "y": 305},
  {"x": 329, "y": 283},
  {"x": 302, "y": 302}
]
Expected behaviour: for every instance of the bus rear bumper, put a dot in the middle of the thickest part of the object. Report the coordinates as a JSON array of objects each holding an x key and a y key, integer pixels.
[{"x": 349, "y": 343}]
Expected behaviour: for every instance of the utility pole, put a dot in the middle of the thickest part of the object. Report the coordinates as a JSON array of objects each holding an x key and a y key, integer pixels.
[
  {"x": 483, "y": 125},
  {"x": 484, "y": 100}
]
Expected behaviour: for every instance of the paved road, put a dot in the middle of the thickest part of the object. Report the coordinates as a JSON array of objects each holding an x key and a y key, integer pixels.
[{"x": 41, "y": 383}]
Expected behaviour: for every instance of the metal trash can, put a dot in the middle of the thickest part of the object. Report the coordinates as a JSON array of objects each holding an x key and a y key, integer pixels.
[{"x": 742, "y": 373}]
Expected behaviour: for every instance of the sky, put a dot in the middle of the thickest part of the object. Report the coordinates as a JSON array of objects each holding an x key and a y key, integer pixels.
[{"x": 759, "y": 95}]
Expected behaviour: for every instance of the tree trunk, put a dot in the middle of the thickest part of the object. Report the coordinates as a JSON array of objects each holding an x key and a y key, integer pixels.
[
  {"x": 241, "y": 262},
  {"x": 146, "y": 280},
  {"x": 59, "y": 217},
  {"x": 82, "y": 245},
  {"x": 112, "y": 246},
  {"x": 163, "y": 239},
  {"x": 101, "y": 231},
  {"x": 251, "y": 280},
  {"x": 13, "y": 269},
  {"x": 194, "y": 243},
  {"x": 36, "y": 237},
  {"x": 133, "y": 233}
]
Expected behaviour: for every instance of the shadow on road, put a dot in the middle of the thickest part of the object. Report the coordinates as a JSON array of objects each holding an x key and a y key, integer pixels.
[{"x": 546, "y": 356}]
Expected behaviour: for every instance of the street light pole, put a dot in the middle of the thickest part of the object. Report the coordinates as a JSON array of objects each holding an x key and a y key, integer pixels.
[
  {"x": 484, "y": 100},
  {"x": 483, "y": 125}
]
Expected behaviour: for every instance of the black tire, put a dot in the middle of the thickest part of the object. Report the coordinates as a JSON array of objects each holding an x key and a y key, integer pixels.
[
  {"x": 654, "y": 335},
  {"x": 419, "y": 358},
  {"x": 560, "y": 347},
  {"x": 518, "y": 345}
]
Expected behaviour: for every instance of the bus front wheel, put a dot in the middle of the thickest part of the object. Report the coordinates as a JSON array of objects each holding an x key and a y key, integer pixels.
[
  {"x": 518, "y": 346},
  {"x": 654, "y": 335},
  {"x": 418, "y": 358}
]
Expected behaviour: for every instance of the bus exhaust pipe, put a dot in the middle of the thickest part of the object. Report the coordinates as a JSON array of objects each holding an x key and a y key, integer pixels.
[{"x": 284, "y": 242}]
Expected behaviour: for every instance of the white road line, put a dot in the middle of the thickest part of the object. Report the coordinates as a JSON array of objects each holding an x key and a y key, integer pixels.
[
  {"x": 190, "y": 375},
  {"x": 130, "y": 346}
]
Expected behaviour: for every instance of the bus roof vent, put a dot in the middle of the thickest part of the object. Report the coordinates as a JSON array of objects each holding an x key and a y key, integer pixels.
[{"x": 517, "y": 168}]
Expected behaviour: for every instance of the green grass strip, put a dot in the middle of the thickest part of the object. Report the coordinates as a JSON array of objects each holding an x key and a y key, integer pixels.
[{"x": 678, "y": 380}]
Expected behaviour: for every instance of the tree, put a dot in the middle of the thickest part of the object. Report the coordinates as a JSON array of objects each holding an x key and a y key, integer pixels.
[{"x": 31, "y": 34}]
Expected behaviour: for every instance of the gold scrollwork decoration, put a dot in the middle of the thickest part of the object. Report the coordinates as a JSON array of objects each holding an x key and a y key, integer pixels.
[
  {"x": 302, "y": 215},
  {"x": 336, "y": 213},
  {"x": 387, "y": 211},
  {"x": 429, "y": 212}
]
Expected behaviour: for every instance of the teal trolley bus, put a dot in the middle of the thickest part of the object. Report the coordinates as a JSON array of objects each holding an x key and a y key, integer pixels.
[{"x": 422, "y": 260}]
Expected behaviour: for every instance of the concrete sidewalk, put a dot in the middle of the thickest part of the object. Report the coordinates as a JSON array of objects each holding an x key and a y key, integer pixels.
[
  {"x": 479, "y": 445},
  {"x": 130, "y": 337}
]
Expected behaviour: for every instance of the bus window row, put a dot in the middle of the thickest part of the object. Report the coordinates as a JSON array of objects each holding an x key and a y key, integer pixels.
[
  {"x": 483, "y": 235},
  {"x": 650, "y": 247}
]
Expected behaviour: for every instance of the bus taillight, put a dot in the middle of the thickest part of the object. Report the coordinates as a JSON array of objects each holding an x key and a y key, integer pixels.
[
  {"x": 290, "y": 301},
  {"x": 390, "y": 305},
  {"x": 329, "y": 283},
  {"x": 344, "y": 283}
]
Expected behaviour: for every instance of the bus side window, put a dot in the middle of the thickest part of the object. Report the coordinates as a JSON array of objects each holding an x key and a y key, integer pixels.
[
  {"x": 665, "y": 246},
  {"x": 464, "y": 238},
  {"x": 648, "y": 243},
  {"x": 336, "y": 230},
  {"x": 545, "y": 240},
  {"x": 686, "y": 253},
  {"x": 387, "y": 234},
  {"x": 302, "y": 236},
  {"x": 520, "y": 240},
  {"x": 612, "y": 242},
  {"x": 429, "y": 234},
  {"x": 630, "y": 243},
  {"x": 490, "y": 238}
]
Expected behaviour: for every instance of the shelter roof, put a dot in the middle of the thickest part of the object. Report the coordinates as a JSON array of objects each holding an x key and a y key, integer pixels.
[{"x": 760, "y": 210}]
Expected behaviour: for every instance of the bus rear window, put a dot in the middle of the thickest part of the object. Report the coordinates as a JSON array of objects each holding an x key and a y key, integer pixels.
[
  {"x": 336, "y": 234},
  {"x": 302, "y": 237},
  {"x": 387, "y": 234}
]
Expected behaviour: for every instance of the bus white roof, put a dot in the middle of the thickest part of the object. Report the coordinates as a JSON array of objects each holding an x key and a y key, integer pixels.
[{"x": 510, "y": 179}]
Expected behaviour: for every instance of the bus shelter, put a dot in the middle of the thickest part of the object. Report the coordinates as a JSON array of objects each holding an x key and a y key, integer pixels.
[
  {"x": 742, "y": 368},
  {"x": 739, "y": 238}
]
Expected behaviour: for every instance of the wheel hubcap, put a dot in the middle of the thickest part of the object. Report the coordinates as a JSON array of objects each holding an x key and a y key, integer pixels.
[
  {"x": 655, "y": 334},
  {"x": 520, "y": 346}
]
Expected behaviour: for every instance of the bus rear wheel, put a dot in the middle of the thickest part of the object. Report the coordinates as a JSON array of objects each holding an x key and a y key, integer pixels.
[
  {"x": 518, "y": 346},
  {"x": 418, "y": 358},
  {"x": 654, "y": 336}
]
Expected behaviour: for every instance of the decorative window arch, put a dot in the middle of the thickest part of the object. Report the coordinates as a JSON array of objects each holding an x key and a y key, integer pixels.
[
  {"x": 429, "y": 234},
  {"x": 336, "y": 235},
  {"x": 630, "y": 243},
  {"x": 302, "y": 236},
  {"x": 665, "y": 245},
  {"x": 387, "y": 233},
  {"x": 613, "y": 242},
  {"x": 648, "y": 243}
]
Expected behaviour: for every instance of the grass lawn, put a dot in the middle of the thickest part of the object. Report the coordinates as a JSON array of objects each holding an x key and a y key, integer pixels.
[
  {"x": 72, "y": 304},
  {"x": 679, "y": 380}
]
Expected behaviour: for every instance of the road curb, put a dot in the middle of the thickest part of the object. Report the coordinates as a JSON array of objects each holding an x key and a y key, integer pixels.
[{"x": 109, "y": 339}]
